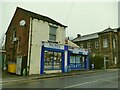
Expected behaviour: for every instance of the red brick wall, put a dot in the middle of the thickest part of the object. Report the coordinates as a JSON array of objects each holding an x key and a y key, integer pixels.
[{"x": 21, "y": 32}]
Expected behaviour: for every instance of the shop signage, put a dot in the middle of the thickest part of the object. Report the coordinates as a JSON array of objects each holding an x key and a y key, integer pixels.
[
  {"x": 53, "y": 45},
  {"x": 78, "y": 50}
]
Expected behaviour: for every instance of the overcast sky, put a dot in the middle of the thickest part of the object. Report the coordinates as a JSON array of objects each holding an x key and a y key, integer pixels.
[{"x": 81, "y": 17}]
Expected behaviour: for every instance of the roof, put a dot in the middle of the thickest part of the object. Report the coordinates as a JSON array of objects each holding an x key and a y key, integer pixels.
[
  {"x": 94, "y": 35},
  {"x": 70, "y": 43},
  {"x": 108, "y": 30},
  {"x": 118, "y": 29},
  {"x": 86, "y": 37},
  {"x": 41, "y": 17}
]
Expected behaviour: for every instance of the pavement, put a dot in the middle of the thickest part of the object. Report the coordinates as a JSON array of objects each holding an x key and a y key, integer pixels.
[{"x": 8, "y": 77}]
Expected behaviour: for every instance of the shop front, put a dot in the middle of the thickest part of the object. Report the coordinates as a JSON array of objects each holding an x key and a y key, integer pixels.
[
  {"x": 52, "y": 58},
  {"x": 78, "y": 58},
  {"x": 58, "y": 58}
]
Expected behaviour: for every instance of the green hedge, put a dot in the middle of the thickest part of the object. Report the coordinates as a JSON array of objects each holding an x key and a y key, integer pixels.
[{"x": 97, "y": 60}]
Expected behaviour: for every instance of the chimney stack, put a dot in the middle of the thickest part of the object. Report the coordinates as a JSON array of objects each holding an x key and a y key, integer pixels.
[{"x": 78, "y": 35}]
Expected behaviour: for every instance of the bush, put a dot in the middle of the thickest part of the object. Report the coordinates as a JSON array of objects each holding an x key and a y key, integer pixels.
[{"x": 97, "y": 60}]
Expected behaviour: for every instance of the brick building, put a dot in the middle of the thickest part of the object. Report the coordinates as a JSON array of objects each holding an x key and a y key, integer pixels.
[
  {"x": 36, "y": 44},
  {"x": 105, "y": 43},
  {"x": 25, "y": 35}
]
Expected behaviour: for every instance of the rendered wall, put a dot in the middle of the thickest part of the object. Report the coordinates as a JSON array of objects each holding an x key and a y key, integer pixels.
[{"x": 40, "y": 32}]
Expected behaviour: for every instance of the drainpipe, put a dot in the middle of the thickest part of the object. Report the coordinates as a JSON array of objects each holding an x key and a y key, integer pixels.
[{"x": 30, "y": 45}]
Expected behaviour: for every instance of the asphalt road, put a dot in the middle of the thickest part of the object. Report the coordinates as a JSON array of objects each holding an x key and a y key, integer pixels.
[
  {"x": 103, "y": 79},
  {"x": 0, "y": 77}
]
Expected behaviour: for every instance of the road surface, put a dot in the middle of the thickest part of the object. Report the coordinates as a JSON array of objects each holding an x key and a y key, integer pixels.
[{"x": 103, "y": 79}]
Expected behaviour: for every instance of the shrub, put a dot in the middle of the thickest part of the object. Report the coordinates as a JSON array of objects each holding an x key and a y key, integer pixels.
[{"x": 97, "y": 60}]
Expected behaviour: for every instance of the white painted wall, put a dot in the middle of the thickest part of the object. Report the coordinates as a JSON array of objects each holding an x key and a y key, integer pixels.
[
  {"x": 60, "y": 35},
  {"x": 40, "y": 32}
]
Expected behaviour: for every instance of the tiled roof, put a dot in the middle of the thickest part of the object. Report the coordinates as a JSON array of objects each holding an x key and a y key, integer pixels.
[{"x": 41, "y": 17}]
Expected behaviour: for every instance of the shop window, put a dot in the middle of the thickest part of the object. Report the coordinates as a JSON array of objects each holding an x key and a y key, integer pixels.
[
  {"x": 72, "y": 59},
  {"x": 77, "y": 59},
  {"x": 105, "y": 43},
  {"x": 52, "y": 60},
  {"x": 77, "y": 62},
  {"x": 52, "y": 33}
]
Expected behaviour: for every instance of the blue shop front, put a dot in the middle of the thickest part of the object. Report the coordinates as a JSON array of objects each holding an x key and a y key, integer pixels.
[
  {"x": 78, "y": 58},
  {"x": 55, "y": 58}
]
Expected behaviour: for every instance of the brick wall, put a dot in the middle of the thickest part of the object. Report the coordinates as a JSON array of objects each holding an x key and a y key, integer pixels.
[
  {"x": 110, "y": 52},
  {"x": 19, "y": 47}
]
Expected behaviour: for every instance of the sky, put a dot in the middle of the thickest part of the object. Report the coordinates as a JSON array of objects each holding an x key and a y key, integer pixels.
[
  {"x": 81, "y": 16},
  {"x": 119, "y": 14}
]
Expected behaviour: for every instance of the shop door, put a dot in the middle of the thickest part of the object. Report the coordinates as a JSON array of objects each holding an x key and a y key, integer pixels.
[{"x": 52, "y": 60}]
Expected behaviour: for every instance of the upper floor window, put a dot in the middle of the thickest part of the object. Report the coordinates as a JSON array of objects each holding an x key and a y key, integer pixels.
[
  {"x": 105, "y": 43},
  {"x": 88, "y": 45},
  {"x": 52, "y": 33},
  {"x": 81, "y": 45},
  {"x": 96, "y": 44},
  {"x": 114, "y": 43},
  {"x": 14, "y": 34},
  {"x": 13, "y": 37}
]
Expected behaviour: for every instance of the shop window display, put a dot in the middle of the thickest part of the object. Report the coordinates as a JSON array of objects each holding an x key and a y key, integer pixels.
[{"x": 52, "y": 60}]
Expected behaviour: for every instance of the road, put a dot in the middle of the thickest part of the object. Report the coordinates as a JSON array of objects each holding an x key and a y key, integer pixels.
[
  {"x": 0, "y": 76},
  {"x": 104, "y": 79}
]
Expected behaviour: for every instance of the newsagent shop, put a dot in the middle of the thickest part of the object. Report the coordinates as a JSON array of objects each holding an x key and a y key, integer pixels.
[{"x": 58, "y": 58}]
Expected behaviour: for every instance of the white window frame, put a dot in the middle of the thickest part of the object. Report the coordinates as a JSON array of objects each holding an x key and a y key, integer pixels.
[
  {"x": 81, "y": 46},
  {"x": 105, "y": 43},
  {"x": 88, "y": 45},
  {"x": 114, "y": 43},
  {"x": 96, "y": 44},
  {"x": 52, "y": 34}
]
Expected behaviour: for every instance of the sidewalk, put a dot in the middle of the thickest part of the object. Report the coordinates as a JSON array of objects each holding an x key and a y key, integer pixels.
[{"x": 6, "y": 77}]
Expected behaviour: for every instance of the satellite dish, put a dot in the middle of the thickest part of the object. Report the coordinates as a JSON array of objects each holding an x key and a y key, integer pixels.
[{"x": 22, "y": 23}]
